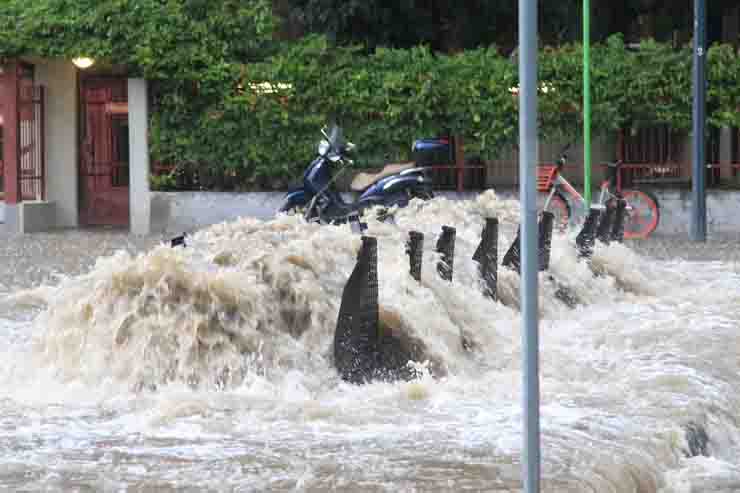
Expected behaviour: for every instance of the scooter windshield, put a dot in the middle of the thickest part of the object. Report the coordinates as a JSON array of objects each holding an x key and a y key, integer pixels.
[{"x": 336, "y": 138}]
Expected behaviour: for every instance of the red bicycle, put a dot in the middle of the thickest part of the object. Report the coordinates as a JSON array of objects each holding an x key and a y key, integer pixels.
[{"x": 643, "y": 211}]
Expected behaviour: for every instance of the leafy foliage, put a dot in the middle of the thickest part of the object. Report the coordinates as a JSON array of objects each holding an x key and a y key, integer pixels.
[
  {"x": 172, "y": 39},
  {"x": 214, "y": 117},
  {"x": 387, "y": 99}
]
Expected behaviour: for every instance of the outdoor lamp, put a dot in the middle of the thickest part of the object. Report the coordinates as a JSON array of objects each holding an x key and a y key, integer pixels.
[{"x": 83, "y": 62}]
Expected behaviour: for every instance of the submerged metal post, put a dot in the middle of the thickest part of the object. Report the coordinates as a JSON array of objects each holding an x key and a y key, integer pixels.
[
  {"x": 178, "y": 241},
  {"x": 415, "y": 250},
  {"x": 446, "y": 247},
  {"x": 512, "y": 257},
  {"x": 586, "y": 239},
  {"x": 356, "y": 335},
  {"x": 546, "y": 223},
  {"x": 618, "y": 224},
  {"x": 698, "y": 185},
  {"x": 487, "y": 257},
  {"x": 527, "y": 196},
  {"x": 604, "y": 231}
]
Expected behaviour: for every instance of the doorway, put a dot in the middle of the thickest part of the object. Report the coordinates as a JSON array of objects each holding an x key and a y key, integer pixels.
[{"x": 104, "y": 152}]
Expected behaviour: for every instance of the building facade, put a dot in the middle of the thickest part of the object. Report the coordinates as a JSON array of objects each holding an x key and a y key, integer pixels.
[{"x": 74, "y": 147}]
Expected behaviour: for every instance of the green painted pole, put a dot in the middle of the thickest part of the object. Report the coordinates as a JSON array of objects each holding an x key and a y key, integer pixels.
[{"x": 587, "y": 102}]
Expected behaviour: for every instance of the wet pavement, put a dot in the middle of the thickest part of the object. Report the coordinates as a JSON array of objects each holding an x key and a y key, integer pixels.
[{"x": 30, "y": 260}]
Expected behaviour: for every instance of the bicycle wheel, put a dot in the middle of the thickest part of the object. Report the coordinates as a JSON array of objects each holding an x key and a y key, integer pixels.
[
  {"x": 644, "y": 216},
  {"x": 561, "y": 210}
]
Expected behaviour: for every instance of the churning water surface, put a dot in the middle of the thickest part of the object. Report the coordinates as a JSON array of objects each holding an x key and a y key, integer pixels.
[{"x": 209, "y": 368}]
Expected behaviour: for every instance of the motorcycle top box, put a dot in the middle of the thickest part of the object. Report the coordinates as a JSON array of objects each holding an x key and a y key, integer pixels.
[{"x": 431, "y": 152}]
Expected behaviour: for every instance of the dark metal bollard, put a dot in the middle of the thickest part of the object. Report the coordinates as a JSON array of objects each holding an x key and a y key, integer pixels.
[
  {"x": 356, "y": 336},
  {"x": 618, "y": 225},
  {"x": 606, "y": 220},
  {"x": 512, "y": 259},
  {"x": 178, "y": 241},
  {"x": 545, "y": 239},
  {"x": 487, "y": 257},
  {"x": 697, "y": 439},
  {"x": 446, "y": 247},
  {"x": 415, "y": 251},
  {"x": 587, "y": 237}
]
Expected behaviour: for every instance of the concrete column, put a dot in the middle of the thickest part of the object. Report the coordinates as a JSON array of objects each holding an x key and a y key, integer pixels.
[
  {"x": 138, "y": 120},
  {"x": 61, "y": 139}
]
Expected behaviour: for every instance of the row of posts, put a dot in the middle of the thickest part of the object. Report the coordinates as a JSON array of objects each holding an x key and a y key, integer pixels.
[
  {"x": 605, "y": 224},
  {"x": 362, "y": 353}
]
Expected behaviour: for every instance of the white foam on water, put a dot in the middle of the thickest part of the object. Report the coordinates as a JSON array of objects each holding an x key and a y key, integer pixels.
[{"x": 211, "y": 367}]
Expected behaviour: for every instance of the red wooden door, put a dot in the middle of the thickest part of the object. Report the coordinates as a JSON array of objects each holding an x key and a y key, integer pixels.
[{"x": 104, "y": 167}]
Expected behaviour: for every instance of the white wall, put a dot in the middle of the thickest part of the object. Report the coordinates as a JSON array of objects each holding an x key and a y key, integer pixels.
[
  {"x": 60, "y": 79},
  {"x": 177, "y": 212}
]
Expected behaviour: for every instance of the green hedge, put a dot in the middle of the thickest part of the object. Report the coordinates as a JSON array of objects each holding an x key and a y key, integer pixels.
[
  {"x": 386, "y": 100},
  {"x": 204, "y": 58}
]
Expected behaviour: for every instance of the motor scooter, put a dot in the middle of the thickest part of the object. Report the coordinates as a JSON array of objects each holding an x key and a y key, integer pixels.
[{"x": 318, "y": 199}]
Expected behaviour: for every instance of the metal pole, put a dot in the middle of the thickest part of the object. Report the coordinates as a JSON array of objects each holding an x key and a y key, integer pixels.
[
  {"x": 587, "y": 102},
  {"x": 529, "y": 255},
  {"x": 698, "y": 186}
]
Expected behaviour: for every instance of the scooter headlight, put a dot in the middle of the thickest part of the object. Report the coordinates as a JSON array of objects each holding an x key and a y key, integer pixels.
[{"x": 323, "y": 148}]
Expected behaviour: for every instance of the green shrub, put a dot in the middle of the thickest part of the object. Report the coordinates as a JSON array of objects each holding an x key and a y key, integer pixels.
[{"x": 208, "y": 59}]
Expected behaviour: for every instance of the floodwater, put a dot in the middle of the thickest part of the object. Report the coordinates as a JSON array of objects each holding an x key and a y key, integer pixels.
[{"x": 209, "y": 368}]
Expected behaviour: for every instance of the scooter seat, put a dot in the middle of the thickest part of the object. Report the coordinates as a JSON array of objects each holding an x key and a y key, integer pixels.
[{"x": 363, "y": 180}]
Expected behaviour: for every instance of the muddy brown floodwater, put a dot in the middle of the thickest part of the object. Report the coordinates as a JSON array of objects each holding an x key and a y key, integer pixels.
[{"x": 126, "y": 365}]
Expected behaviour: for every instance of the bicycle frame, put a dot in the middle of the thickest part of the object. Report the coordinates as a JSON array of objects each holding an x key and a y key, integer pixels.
[
  {"x": 559, "y": 184},
  {"x": 564, "y": 201}
]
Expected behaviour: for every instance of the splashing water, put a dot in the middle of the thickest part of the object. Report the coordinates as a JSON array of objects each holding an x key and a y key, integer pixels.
[{"x": 210, "y": 368}]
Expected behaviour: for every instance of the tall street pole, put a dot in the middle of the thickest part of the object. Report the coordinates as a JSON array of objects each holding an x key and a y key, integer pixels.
[
  {"x": 698, "y": 185},
  {"x": 530, "y": 265},
  {"x": 587, "y": 102}
]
